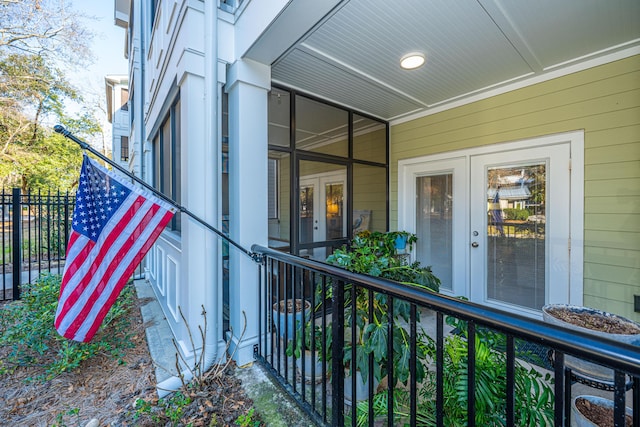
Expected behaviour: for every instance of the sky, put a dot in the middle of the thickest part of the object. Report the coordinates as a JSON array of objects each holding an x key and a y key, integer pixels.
[
  {"x": 108, "y": 43},
  {"x": 108, "y": 52}
]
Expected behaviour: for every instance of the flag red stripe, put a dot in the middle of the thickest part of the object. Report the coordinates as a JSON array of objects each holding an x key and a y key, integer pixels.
[
  {"x": 103, "y": 284},
  {"x": 128, "y": 272},
  {"x": 70, "y": 269},
  {"x": 103, "y": 251},
  {"x": 72, "y": 241}
]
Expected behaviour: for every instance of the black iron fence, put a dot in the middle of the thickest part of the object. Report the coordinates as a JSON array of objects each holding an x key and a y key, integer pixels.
[
  {"x": 35, "y": 230},
  {"x": 390, "y": 354}
]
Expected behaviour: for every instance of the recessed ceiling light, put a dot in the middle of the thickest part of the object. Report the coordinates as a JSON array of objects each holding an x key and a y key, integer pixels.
[{"x": 411, "y": 61}]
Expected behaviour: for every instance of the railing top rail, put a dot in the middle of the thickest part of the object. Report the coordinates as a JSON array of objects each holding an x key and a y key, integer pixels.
[{"x": 609, "y": 352}]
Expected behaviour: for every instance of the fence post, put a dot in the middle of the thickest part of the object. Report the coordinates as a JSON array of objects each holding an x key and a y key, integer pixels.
[{"x": 17, "y": 223}]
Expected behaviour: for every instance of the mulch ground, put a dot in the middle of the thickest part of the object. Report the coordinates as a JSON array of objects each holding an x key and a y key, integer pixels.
[{"x": 104, "y": 390}]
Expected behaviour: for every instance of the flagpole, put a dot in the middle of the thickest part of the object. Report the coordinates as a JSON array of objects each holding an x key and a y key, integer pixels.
[{"x": 64, "y": 132}]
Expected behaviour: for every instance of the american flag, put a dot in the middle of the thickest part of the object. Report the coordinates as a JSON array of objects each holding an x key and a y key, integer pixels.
[{"x": 114, "y": 225}]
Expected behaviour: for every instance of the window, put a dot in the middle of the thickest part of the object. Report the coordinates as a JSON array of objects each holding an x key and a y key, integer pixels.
[
  {"x": 166, "y": 159},
  {"x": 124, "y": 97},
  {"x": 124, "y": 148},
  {"x": 273, "y": 188},
  {"x": 153, "y": 6}
]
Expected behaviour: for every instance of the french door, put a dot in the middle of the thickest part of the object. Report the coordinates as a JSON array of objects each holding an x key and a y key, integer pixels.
[
  {"x": 496, "y": 223},
  {"x": 519, "y": 217},
  {"x": 322, "y": 211}
]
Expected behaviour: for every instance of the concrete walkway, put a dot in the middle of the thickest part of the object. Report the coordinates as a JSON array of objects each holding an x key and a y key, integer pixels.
[{"x": 274, "y": 406}]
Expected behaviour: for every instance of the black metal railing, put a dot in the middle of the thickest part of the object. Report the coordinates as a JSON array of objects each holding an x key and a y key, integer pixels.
[
  {"x": 35, "y": 232},
  {"x": 426, "y": 334}
]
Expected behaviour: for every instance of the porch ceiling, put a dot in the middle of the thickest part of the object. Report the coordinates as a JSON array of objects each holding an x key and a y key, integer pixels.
[{"x": 351, "y": 56}]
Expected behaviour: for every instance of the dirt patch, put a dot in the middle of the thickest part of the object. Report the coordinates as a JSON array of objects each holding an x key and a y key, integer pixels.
[
  {"x": 599, "y": 415},
  {"x": 595, "y": 322},
  {"x": 103, "y": 389}
]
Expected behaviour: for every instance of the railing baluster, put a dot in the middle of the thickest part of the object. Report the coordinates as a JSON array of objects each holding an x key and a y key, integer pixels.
[
  {"x": 510, "y": 386},
  {"x": 390, "y": 368},
  {"x": 312, "y": 333},
  {"x": 371, "y": 297},
  {"x": 354, "y": 353},
  {"x": 324, "y": 348},
  {"x": 471, "y": 374},
  {"x": 337, "y": 368},
  {"x": 636, "y": 400},
  {"x": 413, "y": 385},
  {"x": 619, "y": 398},
  {"x": 559, "y": 386},
  {"x": 439, "y": 369}
]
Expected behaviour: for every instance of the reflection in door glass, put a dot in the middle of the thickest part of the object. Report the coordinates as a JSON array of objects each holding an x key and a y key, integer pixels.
[
  {"x": 335, "y": 211},
  {"x": 306, "y": 214},
  {"x": 516, "y": 216},
  {"x": 434, "y": 222}
]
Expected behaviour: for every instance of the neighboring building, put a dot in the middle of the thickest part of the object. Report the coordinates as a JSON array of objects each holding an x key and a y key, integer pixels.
[
  {"x": 117, "y": 91},
  {"x": 281, "y": 121}
]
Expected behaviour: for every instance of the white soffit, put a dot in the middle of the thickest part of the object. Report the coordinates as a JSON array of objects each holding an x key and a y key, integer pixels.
[{"x": 351, "y": 56}]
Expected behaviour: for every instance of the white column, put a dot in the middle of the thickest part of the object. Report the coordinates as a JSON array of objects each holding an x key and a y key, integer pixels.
[{"x": 248, "y": 83}]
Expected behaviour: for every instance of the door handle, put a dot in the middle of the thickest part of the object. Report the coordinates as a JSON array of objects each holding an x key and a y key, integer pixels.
[{"x": 475, "y": 244}]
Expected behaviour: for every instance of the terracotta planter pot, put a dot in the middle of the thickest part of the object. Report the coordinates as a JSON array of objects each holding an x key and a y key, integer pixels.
[
  {"x": 581, "y": 367},
  {"x": 578, "y": 419},
  {"x": 289, "y": 320}
]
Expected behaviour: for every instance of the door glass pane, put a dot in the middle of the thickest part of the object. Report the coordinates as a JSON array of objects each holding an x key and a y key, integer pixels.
[
  {"x": 434, "y": 225},
  {"x": 516, "y": 234},
  {"x": 279, "y": 201},
  {"x": 335, "y": 210},
  {"x": 306, "y": 213}
]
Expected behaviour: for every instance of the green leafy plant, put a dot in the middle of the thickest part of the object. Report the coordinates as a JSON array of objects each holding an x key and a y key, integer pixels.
[
  {"x": 27, "y": 329},
  {"x": 534, "y": 398},
  {"x": 374, "y": 253},
  {"x": 517, "y": 214},
  {"x": 169, "y": 410},
  {"x": 60, "y": 417},
  {"x": 174, "y": 406},
  {"x": 246, "y": 420},
  {"x": 310, "y": 339}
]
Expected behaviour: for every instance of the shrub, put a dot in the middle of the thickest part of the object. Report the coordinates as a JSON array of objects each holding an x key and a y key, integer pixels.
[
  {"x": 27, "y": 331},
  {"x": 516, "y": 214}
]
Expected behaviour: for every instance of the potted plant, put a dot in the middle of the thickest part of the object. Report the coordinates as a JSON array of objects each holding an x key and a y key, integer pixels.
[
  {"x": 307, "y": 350},
  {"x": 594, "y": 411},
  {"x": 373, "y": 253},
  {"x": 287, "y": 314},
  {"x": 402, "y": 238},
  {"x": 593, "y": 322}
]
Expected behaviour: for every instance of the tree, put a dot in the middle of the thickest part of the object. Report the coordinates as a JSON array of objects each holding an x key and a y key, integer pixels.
[
  {"x": 36, "y": 38},
  {"x": 48, "y": 28}
]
